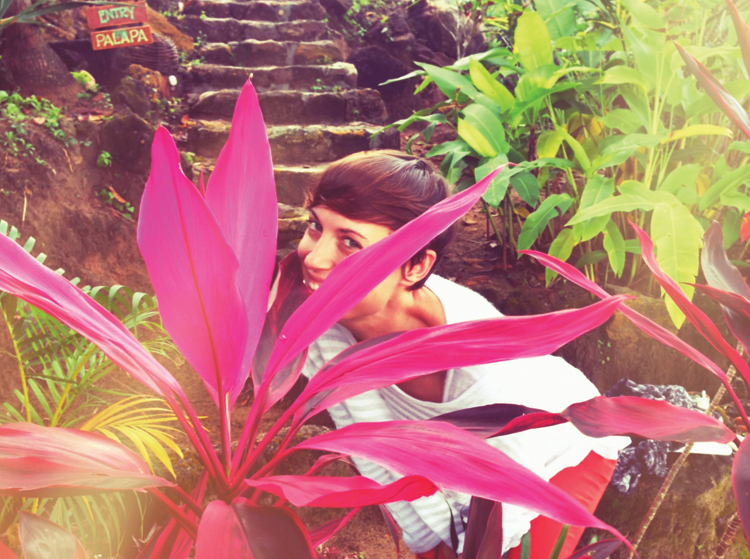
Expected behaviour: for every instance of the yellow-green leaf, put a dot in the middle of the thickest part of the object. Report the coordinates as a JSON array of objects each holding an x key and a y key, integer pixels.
[
  {"x": 697, "y": 130},
  {"x": 475, "y": 139},
  {"x": 487, "y": 84},
  {"x": 532, "y": 41}
]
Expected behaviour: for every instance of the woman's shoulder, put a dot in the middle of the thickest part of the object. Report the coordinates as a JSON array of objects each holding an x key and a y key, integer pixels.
[{"x": 460, "y": 303}]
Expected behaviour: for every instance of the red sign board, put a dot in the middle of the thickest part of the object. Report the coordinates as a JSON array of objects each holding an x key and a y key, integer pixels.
[
  {"x": 124, "y": 37},
  {"x": 109, "y": 16}
]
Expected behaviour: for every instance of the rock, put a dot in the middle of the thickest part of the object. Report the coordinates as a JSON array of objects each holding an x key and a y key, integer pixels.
[
  {"x": 142, "y": 90},
  {"x": 161, "y": 26},
  {"x": 127, "y": 137},
  {"x": 375, "y": 66},
  {"x": 691, "y": 519},
  {"x": 438, "y": 24},
  {"x": 337, "y": 7}
]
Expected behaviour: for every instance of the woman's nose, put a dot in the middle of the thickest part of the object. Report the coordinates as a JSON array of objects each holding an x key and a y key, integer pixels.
[{"x": 321, "y": 256}]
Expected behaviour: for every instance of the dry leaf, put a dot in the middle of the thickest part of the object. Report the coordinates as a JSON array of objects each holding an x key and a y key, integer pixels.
[
  {"x": 39, "y": 120},
  {"x": 117, "y": 196}
]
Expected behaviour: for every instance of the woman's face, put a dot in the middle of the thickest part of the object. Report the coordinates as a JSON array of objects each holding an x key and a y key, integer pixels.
[{"x": 331, "y": 237}]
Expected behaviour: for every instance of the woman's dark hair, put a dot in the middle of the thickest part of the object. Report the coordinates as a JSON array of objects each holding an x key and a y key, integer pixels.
[{"x": 385, "y": 187}]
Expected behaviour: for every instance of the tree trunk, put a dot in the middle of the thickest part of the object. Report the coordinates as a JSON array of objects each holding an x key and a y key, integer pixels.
[{"x": 32, "y": 64}]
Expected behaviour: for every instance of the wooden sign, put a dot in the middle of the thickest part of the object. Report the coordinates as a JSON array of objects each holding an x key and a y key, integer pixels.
[
  {"x": 109, "y": 16},
  {"x": 124, "y": 37}
]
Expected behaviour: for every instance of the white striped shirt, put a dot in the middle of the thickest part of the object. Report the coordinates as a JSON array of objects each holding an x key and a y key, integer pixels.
[{"x": 547, "y": 383}]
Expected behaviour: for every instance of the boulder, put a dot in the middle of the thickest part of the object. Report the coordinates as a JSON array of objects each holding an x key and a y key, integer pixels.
[
  {"x": 442, "y": 26},
  {"x": 127, "y": 138}
]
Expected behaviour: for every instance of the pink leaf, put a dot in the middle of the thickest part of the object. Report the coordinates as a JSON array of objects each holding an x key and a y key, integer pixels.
[
  {"x": 41, "y": 538},
  {"x": 647, "y": 325},
  {"x": 723, "y": 99},
  {"x": 651, "y": 419},
  {"x": 6, "y": 553},
  {"x": 696, "y": 316},
  {"x": 326, "y": 531},
  {"x": 356, "y": 491},
  {"x": 346, "y": 285},
  {"x": 464, "y": 344},
  {"x": 193, "y": 271},
  {"x": 22, "y": 276},
  {"x": 741, "y": 483},
  {"x": 38, "y": 461},
  {"x": 242, "y": 195},
  {"x": 243, "y": 531},
  {"x": 455, "y": 460},
  {"x": 745, "y": 227}
]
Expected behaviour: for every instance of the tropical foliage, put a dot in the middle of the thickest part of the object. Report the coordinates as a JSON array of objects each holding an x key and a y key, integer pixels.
[{"x": 210, "y": 258}]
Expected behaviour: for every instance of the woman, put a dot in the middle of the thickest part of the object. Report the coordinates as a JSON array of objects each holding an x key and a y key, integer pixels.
[{"x": 360, "y": 200}]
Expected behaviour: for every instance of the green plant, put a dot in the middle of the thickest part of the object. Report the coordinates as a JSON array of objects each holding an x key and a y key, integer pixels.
[
  {"x": 109, "y": 196},
  {"x": 60, "y": 374},
  {"x": 104, "y": 159}
]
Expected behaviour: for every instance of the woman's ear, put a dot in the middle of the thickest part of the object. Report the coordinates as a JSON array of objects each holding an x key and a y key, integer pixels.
[{"x": 412, "y": 273}]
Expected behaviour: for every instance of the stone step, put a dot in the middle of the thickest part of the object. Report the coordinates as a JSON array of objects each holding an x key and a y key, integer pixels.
[
  {"x": 259, "y": 10},
  {"x": 336, "y": 76},
  {"x": 252, "y": 54},
  {"x": 296, "y": 107},
  {"x": 292, "y": 181},
  {"x": 292, "y": 144},
  {"x": 228, "y": 29}
]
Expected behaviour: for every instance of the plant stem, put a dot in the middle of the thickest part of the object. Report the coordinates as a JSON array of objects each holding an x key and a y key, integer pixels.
[
  {"x": 69, "y": 385},
  {"x": 226, "y": 437},
  {"x": 19, "y": 360},
  {"x": 677, "y": 465},
  {"x": 188, "y": 500},
  {"x": 177, "y": 513},
  {"x": 492, "y": 221},
  {"x": 726, "y": 539}
]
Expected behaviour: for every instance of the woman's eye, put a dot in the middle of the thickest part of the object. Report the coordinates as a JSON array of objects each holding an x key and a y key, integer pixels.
[
  {"x": 351, "y": 243},
  {"x": 314, "y": 225}
]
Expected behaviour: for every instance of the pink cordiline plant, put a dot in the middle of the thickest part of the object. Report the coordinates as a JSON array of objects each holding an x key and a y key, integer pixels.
[
  {"x": 726, "y": 286},
  {"x": 211, "y": 259}
]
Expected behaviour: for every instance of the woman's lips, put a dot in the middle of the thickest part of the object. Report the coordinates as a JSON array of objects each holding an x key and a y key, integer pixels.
[{"x": 311, "y": 282}]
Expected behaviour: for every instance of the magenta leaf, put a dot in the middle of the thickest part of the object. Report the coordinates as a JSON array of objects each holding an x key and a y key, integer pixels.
[
  {"x": 330, "y": 492},
  {"x": 485, "y": 421},
  {"x": 326, "y": 531},
  {"x": 696, "y": 316},
  {"x": 346, "y": 285},
  {"x": 597, "y": 550},
  {"x": 743, "y": 33},
  {"x": 721, "y": 274},
  {"x": 455, "y": 460},
  {"x": 43, "y": 539},
  {"x": 244, "y": 531},
  {"x": 723, "y": 99},
  {"x": 290, "y": 294},
  {"x": 242, "y": 196},
  {"x": 741, "y": 483},
  {"x": 38, "y": 461},
  {"x": 193, "y": 271},
  {"x": 597, "y": 417},
  {"x": 426, "y": 350},
  {"x": 6, "y": 553},
  {"x": 22, "y": 276},
  {"x": 651, "y": 419},
  {"x": 646, "y": 324},
  {"x": 484, "y": 530},
  {"x": 393, "y": 528}
]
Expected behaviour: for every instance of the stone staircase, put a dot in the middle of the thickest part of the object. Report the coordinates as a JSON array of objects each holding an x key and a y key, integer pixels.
[{"x": 313, "y": 111}]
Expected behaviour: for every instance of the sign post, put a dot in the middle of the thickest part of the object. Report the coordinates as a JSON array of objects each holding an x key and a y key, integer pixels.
[{"x": 110, "y": 16}]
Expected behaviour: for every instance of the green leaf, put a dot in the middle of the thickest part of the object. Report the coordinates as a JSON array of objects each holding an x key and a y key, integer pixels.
[
  {"x": 548, "y": 143},
  {"x": 527, "y": 187},
  {"x": 559, "y": 17},
  {"x": 685, "y": 175},
  {"x": 475, "y": 139},
  {"x": 532, "y": 41},
  {"x": 487, "y": 84},
  {"x": 737, "y": 200},
  {"x": 621, "y": 119},
  {"x": 597, "y": 189},
  {"x": 728, "y": 183},
  {"x": 488, "y": 125},
  {"x": 730, "y": 226},
  {"x": 499, "y": 185},
  {"x": 450, "y": 82},
  {"x": 578, "y": 150},
  {"x": 620, "y": 148},
  {"x": 697, "y": 130},
  {"x": 614, "y": 244},
  {"x": 644, "y": 14},
  {"x": 621, "y": 203},
  {"x": 448, "y": 147},
  {"x": 677, "y": 237},
  {"x": 618, "y": 75},
  {"x": 562, "y": 247},
  {"x": 537, "y": 221},
  {"x": 593, "y": 257}
]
